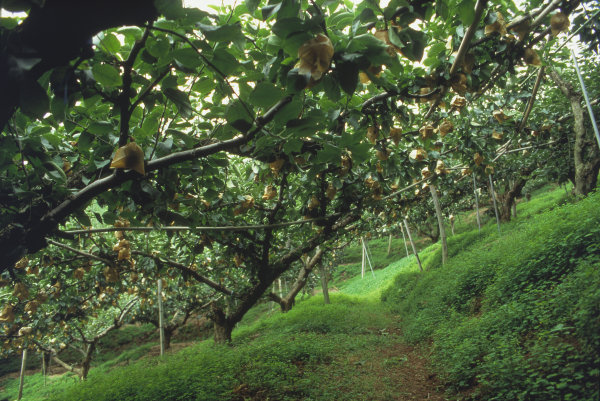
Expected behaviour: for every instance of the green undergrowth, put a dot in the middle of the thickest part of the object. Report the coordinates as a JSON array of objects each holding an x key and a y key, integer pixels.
[
  {"x": 514, "y": 316},
  {"x": 282, "y": 357}
]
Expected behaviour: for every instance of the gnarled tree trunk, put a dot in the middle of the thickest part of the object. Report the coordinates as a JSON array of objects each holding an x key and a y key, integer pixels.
[
  {"x": 586, "y": 154},
  {"x": 508, "y": 198}
]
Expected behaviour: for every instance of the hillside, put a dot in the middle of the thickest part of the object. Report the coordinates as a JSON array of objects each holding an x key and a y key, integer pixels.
[{"x": 513, "y": 315}]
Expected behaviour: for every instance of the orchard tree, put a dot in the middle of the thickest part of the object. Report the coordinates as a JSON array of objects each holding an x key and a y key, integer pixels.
[{"x": 262, "y": 131}]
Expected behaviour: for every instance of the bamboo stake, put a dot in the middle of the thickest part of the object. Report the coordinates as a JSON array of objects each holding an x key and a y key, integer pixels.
[
  {"x": 413, "y": 244},
  {"x": 22, "y": 374},
  {"x": 586, "y": 97},
  {"x": 404, "y": 238},
  {"x": 476, "y": 203},
  {"x": 366, "y": 249},
  {"x": 495, "y": 204},
  {"x": 161, "y": 326}
]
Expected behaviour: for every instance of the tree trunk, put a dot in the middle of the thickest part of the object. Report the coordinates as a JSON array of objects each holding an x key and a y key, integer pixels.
[
  {"x": 440, "y": 218},
  {"x": 169, "y": 330},
  {"x": 87, "y": 361},
  {"x": 586, "y": 154},
  {"x": 223, "y": 326},
  {"x": 286, "y": 303},
  {"x": 507, "y": 200}
]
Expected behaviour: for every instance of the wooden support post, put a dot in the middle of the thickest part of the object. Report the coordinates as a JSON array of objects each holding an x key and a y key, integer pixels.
[
  {"x": 412, "y": 244},
  {"x": 440, "y": 219},
  {"x": 44, "y": 368},
  {"x": 476, "y": 203},
  {"x": 161, "y": 323},
  {"x": 493, "y": 192},
  {"x": 389, "y": 245},
  {"x": 324, "y": 287},
  {"x": 404, "y": 238},
  {"x": 22, "y": 374}
]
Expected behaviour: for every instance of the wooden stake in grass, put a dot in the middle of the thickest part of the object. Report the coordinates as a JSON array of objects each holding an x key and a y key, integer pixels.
[
  {"x": 440, "y": 218},
  {"x": 412, "y": 244},
  {"x": 404, "y": 238},
  {"x": 493, "y": 192},
  {"x": 161, "y": 323},
  {"x": 476, "y": 203},
  {"x": 22, "y": 374},
  {"x": 389, "y": 245},
  {"x": 323, "y": 271},
  {"x": 366, "y": 258}
]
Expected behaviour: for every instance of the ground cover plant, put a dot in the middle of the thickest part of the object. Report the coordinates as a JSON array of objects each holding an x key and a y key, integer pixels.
[
  {"x": 166, "y": 164},
  {"x": 510, "y": 316}
]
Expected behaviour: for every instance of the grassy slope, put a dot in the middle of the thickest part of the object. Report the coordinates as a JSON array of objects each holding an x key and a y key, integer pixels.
[
  {"x": 515, "y": 316},
  {"x": 511, "y": 317}
]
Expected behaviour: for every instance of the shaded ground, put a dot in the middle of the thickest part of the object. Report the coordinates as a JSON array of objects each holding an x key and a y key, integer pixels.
[{"x": 393, "y": 371}]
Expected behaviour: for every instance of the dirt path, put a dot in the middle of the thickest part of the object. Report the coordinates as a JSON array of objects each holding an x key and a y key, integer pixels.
[{"x": 410, "y": 368}]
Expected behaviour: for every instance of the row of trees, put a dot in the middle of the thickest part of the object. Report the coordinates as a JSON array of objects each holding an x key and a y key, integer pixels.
[{"x": 253, "y": 140}]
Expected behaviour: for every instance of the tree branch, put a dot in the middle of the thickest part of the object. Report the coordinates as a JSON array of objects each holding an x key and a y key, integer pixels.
[{"x": 183, "y": 268}]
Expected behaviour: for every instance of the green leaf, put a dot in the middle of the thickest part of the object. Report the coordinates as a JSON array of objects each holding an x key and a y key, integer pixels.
[
  {"x": 289, "y": 111},
  {"x": 329, "y": 154},
  {"x": 332, "y": 88},
  {"x": 181, "y": 101},
  {"x": 83, "y": 218},
  {"x": 100, "y": 128},
  {"x": 33, "y": 99},
  {"x": 295, "y": 81},
  {"x": 269, "y": 11},
  {"x": 110, "y": 43},
  {"x": 84, "y": 143},
  {"x": 411, "y": 42},
  {"x": 157, "y": 47},
  {"x": 221, "y": 33},
  {"x": 441, "y": 9},
  {"x": 106, "y": 75},
  {"x": 360, "y": 152},
  {"x": 252, "y": 5},
  {"x": 292, "y": 146},
  {"x": 188, "y": 57},
  {"x": 466, "y": 12},
  {"x": 171, "y": 9},
  {"x": 286, "y": 26},
  {"x": 347, "y": 75},
  {"x": 265, "y": 95},
  {"x": 225, "y": 61},
  {"x": 238, "y": 117},
  {"x": 289, "y": 9}
]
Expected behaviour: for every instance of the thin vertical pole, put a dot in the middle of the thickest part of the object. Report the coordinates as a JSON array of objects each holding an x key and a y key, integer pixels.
[
  {"x": 44, "y": 366},
  {"x": 413, "y": 244},
  {"x": 22, "y": 374},
  {"x": 161, "y": 322},
  {"x": 476, "y": 203},
  {"x": 389, "y": 245},
  {"x": 362, "y": 272},
  {"x": 585, "y": 95},
  {"x": 404, "y": 239},
  {"x": 366, "y": 249},
  {"x": 495, "y": 204}
]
